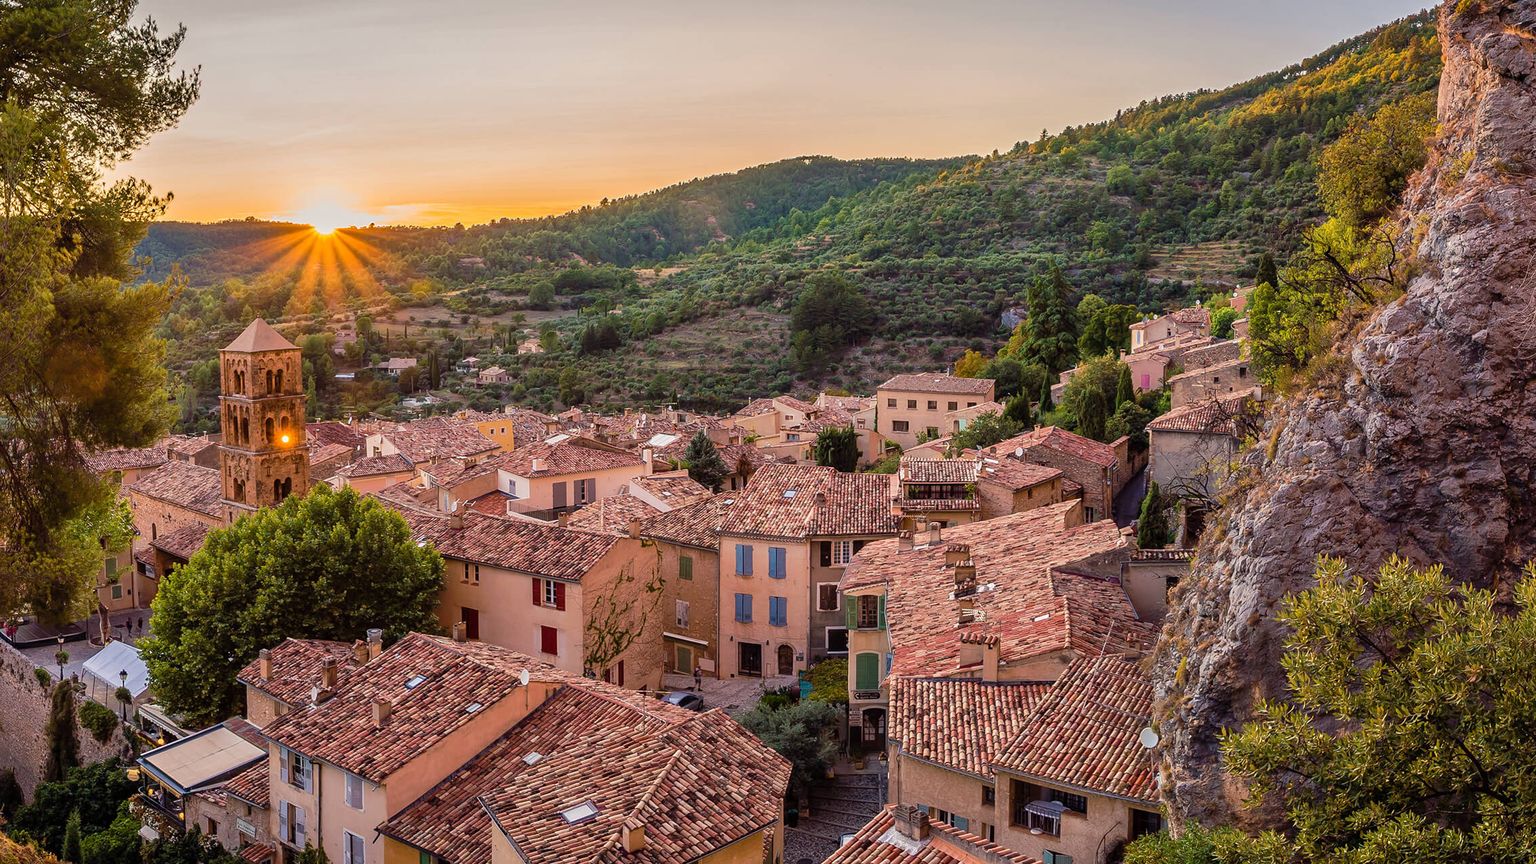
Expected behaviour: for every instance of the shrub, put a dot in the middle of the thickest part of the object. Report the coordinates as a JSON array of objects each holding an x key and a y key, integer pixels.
[{"x": 98, "y": 719}]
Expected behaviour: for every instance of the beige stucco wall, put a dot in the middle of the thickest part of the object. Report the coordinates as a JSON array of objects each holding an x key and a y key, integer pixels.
[
  {"x": 1213, "y": 381},
  {"x": 260, "y": 708},
  {"x": 1087, "y": 838},
  {"x": 795, "y": 587},
  {"x": 913, "y": 781},
  {"x": 998, "y": 500},
  {"x": 537, "y": 493},
  {"x": 702, "y": 594},
  {"x": 893, "y": 406},
  {"x": 1189, "y": 460}
]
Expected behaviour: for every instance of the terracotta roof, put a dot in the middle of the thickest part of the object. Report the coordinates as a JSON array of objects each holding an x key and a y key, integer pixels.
[
  {"x": 880, "y": 842},
  {"x": 959, "y": 723},
  {"x": 259, "y": 336},
  {"x": 333, "y": 432},
  {"x": 251, "y": 785},
  {"x": 1058, "y": 439},
  {"x": 915, "y": 470},
  {"x": 797, "y": 501},
  {"x": 189, "y": 486},
  {"x": 612, "y": 515},
  {"x": 673, "y": 491},
  {"x": 568, "y": 456},
  {"x": 1193, "y": 315},
  {"x": 1214, "y": 416},
  {"x": 1084, "y": 733},
  {"x": 322, "y": 453},
  {"x": 1015, "y": 474},
  {"x": 296, "y": 668},
  {"x": 696, "y": 787},
  {"x": 939, "y": 382},
  {"x": 373, "y": 466},
  {"x": 257, "y": 853},
  {"x": 190, "y": 446},
  {"x": 993, "y": 407},
  {"x": 766, "y": 405},
  {"x": 449, "y": 821},
  {"x": 694, "y": 525},
  {"x": 1045, "y": 583},
  {"x": 184, "y": 542},
  {"x": 1233, "y": 364},
  {"x": 526, "y": 546},
  {"x": 435, "y": 438},
  {"x": 451, "y": 472},
  {"x": 126, "y": 458},
  {"x": 937, "y": 505}
]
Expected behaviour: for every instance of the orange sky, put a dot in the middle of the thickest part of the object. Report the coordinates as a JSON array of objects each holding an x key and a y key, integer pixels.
[{"x": 376, "y": 110}]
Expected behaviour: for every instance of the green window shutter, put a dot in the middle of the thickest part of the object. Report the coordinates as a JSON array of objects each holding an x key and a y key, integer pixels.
[
  {"x": 866, "y": 672},
  {"x": 684, "y": 567},
  {"x": 850, "y": 605},
  {"x": 882, "y": 611}
]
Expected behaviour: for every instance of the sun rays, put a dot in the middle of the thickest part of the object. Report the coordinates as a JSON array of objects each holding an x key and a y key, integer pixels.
[{"x": 328, "y": 268}]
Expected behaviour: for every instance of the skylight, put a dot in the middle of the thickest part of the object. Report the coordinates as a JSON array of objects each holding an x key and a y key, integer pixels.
[
  {"x": 789, "y": 493},
  {"x": 415, "y": 681},
  {"x": 532, "y": 758},
  {"x": 472, "y": 707},
  {"x": 580, "y": 813}
]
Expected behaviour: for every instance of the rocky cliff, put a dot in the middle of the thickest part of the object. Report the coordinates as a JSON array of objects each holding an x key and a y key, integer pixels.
[{"x": 1424, "y": 444}]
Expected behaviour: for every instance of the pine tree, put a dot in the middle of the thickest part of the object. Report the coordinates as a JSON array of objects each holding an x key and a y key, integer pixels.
[
  {"x": 1017, "y": 410},
  {"x": 704, "y": 463},
  {"x": 1152, "y": 528},
  {"x": 63, "y": 739},
  {"x": 1052, "y": 326},
  {"x": 1267, "y": 274}
]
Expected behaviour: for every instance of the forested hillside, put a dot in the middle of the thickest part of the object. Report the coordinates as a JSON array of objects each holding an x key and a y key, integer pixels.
[{"x": 1151, "y": 208}]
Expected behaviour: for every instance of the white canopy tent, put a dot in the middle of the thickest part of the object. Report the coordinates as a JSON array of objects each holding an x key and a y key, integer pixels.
[{"x": 103, "y": 673}]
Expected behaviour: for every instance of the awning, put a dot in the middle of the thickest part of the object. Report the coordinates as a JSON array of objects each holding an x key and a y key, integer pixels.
[
  {"x": 679, "y": 638},
  {"x": 201, "y": 760},
  {"x": 119, "y": 657}
]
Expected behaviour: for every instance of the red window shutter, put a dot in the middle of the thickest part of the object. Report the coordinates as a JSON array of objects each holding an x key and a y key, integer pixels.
[
  {"x": 538, "y": 593},
  {"x": 549, "y": 640},
  {"x": 560, "y": 596}
]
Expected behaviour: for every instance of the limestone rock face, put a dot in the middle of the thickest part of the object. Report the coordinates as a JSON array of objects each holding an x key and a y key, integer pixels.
[{"x": 1427, "y": 445}]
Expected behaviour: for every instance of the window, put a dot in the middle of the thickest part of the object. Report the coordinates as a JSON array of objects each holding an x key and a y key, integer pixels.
[
  {"x": 837, "y": 640},
  {"x": 1090, "y": 514},
  {"x": 933, "y": 404},
  {"x": 1053, "y": 857},
  {"x": 868, "y": 613},
  {"x": 778, "y": 611},
  {"x": 828, "y": 598},
  {"x": 970, "y": 404},
  {"x": 743, "y": 559},
  {"x": 549, "y": 640},
  {"x": 117, "y": 592},
  {"x": 1144, "y": 822},
  {"x": 890, "y": 403},
  {"x": 549, "y": 594},
  {"x": 580, "y": 813},
  {"x": 988, "y": 796},
  {"x": 351, "y": 848},
  {"x": 912, "y": 404},
  {"x": 354, "y": 792},
  {"x": 843, "y": 551},
  {"x": 685, "y": 567},
  {"x": 471, "y": 619},
  {"x": 933, "y": 432},
  {"x": 296, "y": 769},
  {"x": 776, "y": 562},
  {"x": 213, "y": 829},
  {"x": 959, "y": 821},
  {"x": 866, "y": 671},
  {"x": 682, "y": 613},
  {"x": 744, "y": 608},
  {"x": 899, "y": 425},
  {"x": 290, "y": 824},
  {"x": 954, "y": 406},
  {"x": 1069, "y": 800}
]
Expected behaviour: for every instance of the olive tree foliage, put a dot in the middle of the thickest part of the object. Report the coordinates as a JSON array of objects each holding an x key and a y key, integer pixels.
[
  {"x": 329, "y": 565},
  {"x": 1404, "y": 734},
  {"x": 82, "y": 86}
]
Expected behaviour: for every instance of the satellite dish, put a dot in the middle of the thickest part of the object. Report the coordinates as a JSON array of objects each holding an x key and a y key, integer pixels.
[
  {"x": 1148, "y": 738},
  {"x": 1018, "y": 452},
  {"x": 522, "y": 678}
]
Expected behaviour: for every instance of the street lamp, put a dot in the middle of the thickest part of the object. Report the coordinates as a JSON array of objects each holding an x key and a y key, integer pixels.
[
  {"x": 122, "y": 675},
  {"x": 61, "y": 656}
]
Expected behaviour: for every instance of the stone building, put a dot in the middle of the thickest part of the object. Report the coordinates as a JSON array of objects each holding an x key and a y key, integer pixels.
[{"x": 262, "y": 458}]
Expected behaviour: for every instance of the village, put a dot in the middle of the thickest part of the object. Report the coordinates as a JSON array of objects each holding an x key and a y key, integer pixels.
[{"x": 604, "y": 615}]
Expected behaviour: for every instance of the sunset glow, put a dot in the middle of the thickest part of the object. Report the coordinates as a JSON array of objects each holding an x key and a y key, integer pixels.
[{"x": 326, "y": 215}]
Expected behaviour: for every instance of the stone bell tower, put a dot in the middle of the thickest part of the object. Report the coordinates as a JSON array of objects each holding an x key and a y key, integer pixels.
[{"x": 262, "y": 459}]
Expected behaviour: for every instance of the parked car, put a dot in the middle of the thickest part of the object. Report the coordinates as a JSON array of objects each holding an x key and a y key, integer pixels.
[{"x": 685, "y": 699}]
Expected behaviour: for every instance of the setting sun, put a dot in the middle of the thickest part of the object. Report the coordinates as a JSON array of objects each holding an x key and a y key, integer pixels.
[{"x": 326, "y": 215}]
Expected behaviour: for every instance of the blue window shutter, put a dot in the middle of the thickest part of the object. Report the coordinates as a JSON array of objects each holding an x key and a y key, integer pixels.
[{"x": 776, "y": 557}]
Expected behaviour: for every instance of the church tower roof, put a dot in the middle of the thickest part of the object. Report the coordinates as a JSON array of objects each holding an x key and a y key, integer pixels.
[{"x": 259, "y": 336}]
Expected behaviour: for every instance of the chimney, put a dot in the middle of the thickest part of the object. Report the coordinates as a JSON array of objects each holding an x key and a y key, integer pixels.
[
  {"x": 375, "y": 642},
  {"x": 904, "y": 541},
  {"x": 381, "y": 709},
  {"x": 538, "y": 464},
  {"x": 649, "y": 457},
  {"x": 912, "y": 823},
  {"x": 634, "y": 836},
  {"x": 460, "y": 632},
  {"x": 328, "y": 673},
  {"x": 991, "y": 658},
  {"x": 935, "y": 533},
  {"x": 264, "y": 664},
  {"x": 360, "y": 651},
  {"x": 456, "y": 521},
  {"x": 634, "y": 529},
  {"x": 957, "y": 554},
  {"x": 562, "y": 518}
]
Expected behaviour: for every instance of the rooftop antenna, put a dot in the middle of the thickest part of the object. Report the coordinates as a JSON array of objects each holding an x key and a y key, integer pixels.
[{"x": 522, "y": 677}]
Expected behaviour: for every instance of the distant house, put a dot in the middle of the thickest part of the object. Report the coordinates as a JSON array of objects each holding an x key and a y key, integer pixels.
[
  {"x": 395, "y": 365},
  {"x": 531, "y": 345},
  {"x": 493, "y": 375},
  {"x": 468, "y": 364},
  {"x": 916, "y": 405}
]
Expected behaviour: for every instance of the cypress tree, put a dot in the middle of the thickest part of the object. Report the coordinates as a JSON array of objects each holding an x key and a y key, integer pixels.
[
  {"x": 1125, "y": 391},
  {"x": 1152, "y": 529},
  {"x": 71, "y": 850},
  {"x": 1046, "y": 405},
  {"x": 1267, "y": 274},
  {"x": 63, "y": 742}
]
